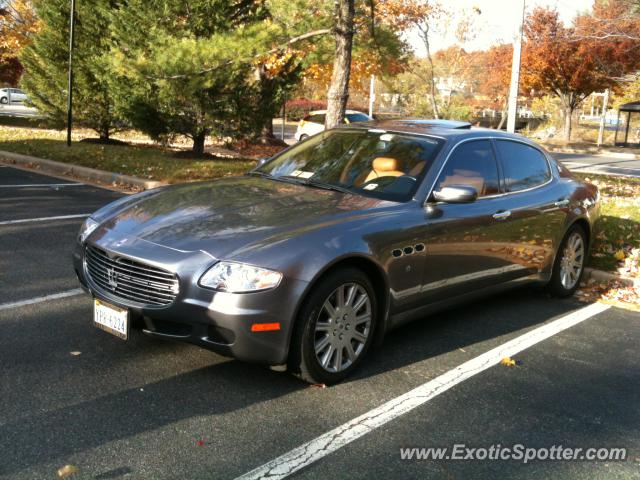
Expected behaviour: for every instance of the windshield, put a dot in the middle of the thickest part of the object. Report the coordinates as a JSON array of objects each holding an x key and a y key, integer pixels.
[{"x": 368, "y": 162}]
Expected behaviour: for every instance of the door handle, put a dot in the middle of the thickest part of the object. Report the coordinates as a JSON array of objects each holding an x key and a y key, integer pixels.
[
  {"x": 563, "y": 202},
  {"x": 502, "y": 215}
]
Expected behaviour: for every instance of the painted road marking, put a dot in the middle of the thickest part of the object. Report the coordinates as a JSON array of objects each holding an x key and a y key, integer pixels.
[
  {"x": 43, "y": 219},
  {"x": 44, "y": 185},
  {"x": 46, "y": 298},
  {"x": 329, "y": 442}
]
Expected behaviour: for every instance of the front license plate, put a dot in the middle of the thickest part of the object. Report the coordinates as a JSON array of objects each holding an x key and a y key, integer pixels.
[{"x": 110, "y": 318}]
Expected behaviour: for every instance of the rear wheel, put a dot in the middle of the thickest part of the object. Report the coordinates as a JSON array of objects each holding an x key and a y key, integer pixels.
[
  {"x": 569, "y": 264},
  {"x": 4, "y": 100},
  {"x": 303, "y": 137},
  {"x": 335, "y": 327}
]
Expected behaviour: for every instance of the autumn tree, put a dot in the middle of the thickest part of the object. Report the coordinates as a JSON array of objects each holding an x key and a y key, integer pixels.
[
  {"x": 571, "y": 65},
  {"x": 18, "y": 24},
  {"x": 493, "y": 73}
]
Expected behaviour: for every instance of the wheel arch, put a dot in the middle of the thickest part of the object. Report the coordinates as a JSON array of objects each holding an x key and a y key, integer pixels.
[
  {"x": 378, "y": 278},
  {"x": 586, "y": 226}
]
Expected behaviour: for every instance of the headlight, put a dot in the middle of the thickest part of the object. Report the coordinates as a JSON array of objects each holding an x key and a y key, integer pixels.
[
  {"x": 86, "y": 229},
  {"x": 237, "y": 278}
]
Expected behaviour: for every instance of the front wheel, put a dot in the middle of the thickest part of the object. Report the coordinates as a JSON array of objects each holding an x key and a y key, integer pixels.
[
  {"x": 569, "y": 264},
  {"x": 4, "y": 100},
  {"x": 335, "y": 328}
]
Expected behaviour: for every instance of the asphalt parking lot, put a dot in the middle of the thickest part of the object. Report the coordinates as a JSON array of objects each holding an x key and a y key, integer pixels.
[{"x": 71, "y": 394}]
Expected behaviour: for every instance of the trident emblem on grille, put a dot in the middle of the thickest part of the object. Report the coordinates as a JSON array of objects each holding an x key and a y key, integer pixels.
[{"x": 112, "y": 278}]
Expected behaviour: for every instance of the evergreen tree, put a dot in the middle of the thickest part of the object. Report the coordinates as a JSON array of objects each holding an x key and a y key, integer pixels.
[
  {"x": 187, "y": 66},
  {"x": 45, "y": 64}
]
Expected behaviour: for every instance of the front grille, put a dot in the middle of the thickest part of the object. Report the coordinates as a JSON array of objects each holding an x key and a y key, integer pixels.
[{"x": 130, "y": 280}]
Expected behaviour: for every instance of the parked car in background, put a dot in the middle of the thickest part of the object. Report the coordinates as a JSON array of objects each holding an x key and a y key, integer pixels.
[
  {"x": 314, "y": 122},
  {"x": 12, "y": 95},
  {"x": 310, "y": 258}
]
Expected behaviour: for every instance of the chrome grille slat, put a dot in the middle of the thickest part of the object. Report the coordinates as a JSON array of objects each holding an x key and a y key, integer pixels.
[
  {"x": 147, "y": 270},
  {"x": 143, "y": 282},
  {"x": 123, "y": 282},
  {"x": 129, "y": 279},
  {"x": 109, "y": 262}
]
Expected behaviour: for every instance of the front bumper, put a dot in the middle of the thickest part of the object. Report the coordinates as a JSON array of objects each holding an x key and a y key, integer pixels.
[{"x": 217, "y": 321}]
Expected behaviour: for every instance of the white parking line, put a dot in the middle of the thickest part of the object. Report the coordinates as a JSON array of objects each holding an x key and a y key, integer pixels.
[
  {"x": 337, "y": 438},
  {"x": 43, "y": 185},
  {"x": 43, "y": 219},
  {"x": 31, "y": 301}
]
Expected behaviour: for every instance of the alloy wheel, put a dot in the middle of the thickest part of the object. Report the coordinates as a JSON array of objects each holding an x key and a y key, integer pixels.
[
  {"x": 342, "y": 327},
  {"x": 572, "y": 261}
]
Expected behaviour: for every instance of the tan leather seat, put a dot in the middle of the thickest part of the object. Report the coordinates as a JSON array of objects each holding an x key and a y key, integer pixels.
[{"x": 384, "y": 167}]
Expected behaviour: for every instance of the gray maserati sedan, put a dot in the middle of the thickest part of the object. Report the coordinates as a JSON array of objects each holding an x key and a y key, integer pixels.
[{"x": 307, "y": 260}]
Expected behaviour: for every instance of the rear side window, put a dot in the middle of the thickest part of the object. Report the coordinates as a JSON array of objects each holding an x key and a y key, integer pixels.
[
  {"x": 473, "y": 164},
  {"x": 356, "y": 117},
  {"x": 523, "y": 166},
  {"x": 317, "y": 118}
]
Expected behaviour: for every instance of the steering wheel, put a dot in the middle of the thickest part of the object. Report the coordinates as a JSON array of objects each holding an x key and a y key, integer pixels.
[{"x": 384, "y": 181}]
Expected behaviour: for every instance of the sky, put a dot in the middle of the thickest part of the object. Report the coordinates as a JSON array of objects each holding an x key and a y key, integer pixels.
[{"x": 498, "y": 21}]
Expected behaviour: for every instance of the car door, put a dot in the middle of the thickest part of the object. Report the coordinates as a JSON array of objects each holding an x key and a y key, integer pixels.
[
  {"x": 538, "y": 203},
  {"x": 18, "y": 95},
  {"x": 467, "y": 244}
]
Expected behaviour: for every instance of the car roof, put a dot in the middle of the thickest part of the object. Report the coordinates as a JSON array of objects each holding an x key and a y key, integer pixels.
[
  {"x": 322, "y": 112},
  {"x": 448, "y": 129}
]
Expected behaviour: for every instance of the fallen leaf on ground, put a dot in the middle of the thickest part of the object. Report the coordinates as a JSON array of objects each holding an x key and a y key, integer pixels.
[
  {"x": 508, "y": 362},
  {"x": 67, "y": 471},
  {"x": 619, "y": 255}
]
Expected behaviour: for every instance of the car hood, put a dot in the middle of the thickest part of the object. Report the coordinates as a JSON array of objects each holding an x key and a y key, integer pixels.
[{"x": 227, "y": 215}]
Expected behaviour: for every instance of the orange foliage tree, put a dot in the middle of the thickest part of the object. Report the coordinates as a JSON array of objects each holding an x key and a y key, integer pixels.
[
  {"x": 570, "y": 63},
  {"x": 18, "y": 23},
  {"x": 493, "y": 74}
]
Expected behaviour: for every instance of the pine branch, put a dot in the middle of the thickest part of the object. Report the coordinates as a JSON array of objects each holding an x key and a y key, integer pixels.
[{"x": 291, "y": 41}]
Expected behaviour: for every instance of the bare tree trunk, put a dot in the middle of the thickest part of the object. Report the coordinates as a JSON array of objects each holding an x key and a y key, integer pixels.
[
  {"x": 198, "y": 143},
  {"x": 503, "y": 115},
  {"x": 424, "y": 33},
  {"x": 568, "y": 113},
  {"x": 338, "y": 94},
  {"x": 104, "y": 134}
]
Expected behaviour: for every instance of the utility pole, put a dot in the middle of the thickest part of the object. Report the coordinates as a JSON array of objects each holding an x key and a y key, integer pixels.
[
  {"x": 515, "y": 76},
  {"x": 605, "y": 101},
  {"x": 284, "y": 115},
  {"x": 372, "y": 94},
  {"x": 72, "y": 21}
]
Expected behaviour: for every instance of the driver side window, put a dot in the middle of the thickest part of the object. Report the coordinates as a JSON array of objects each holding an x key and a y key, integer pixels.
[{"x": 473, "y": 164}]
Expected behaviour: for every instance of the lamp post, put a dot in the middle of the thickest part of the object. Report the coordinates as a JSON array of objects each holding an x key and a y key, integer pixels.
[
  {"x": 515, "y": 76},
  {"x": 72, "y": 21}
]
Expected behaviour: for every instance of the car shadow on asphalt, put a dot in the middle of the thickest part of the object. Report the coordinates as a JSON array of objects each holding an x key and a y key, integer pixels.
[{"x": 40, "y": 436}]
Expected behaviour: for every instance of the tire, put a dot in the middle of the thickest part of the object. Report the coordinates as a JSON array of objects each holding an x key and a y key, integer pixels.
[
  {"x": 4, "y": 100},
  {"x": 319, "y": 335},
  {"x": 569, "y": 264},
  {"x": 303, "y": 137}
]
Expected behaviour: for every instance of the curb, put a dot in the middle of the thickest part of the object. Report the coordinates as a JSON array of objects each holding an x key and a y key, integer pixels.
[
  {"x": 75, "y": 171},
  {"x": 602, "y": 276}
]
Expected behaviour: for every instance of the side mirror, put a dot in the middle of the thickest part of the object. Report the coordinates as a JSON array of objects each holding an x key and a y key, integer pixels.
[
  {"x": 456, "y": 194},
  {"x": 263, "y": 160}
]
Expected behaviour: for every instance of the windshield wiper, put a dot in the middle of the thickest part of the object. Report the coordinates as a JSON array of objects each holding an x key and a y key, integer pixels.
[
  {"x": 257, "y": 173},
  {"x": 300, "y": 181},
  {"x": 327, "y": 186}
]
